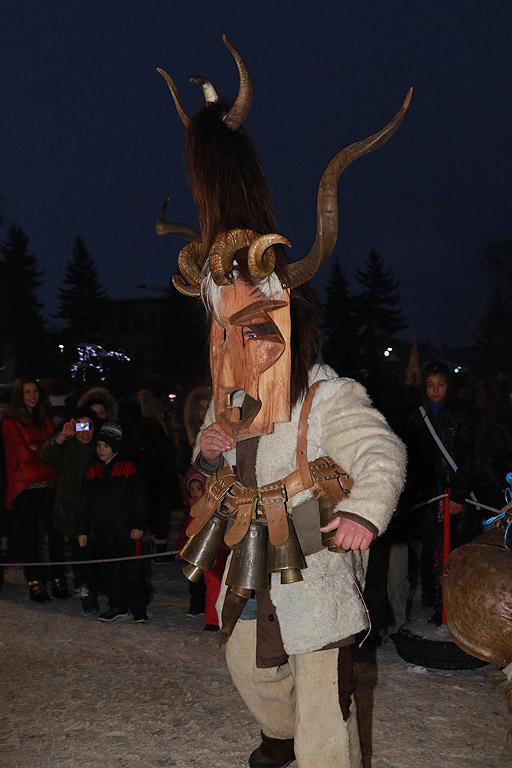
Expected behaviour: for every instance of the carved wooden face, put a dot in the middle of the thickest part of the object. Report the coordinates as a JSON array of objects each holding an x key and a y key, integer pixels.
[{"x": 250, "y": 361}]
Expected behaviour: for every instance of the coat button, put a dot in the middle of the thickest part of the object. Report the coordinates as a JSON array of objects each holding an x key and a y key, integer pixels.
[{"x": 271, "y": 617}]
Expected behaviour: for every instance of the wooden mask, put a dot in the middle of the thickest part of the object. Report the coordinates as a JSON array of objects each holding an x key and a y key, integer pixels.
[{"x": 258, "y": 367}]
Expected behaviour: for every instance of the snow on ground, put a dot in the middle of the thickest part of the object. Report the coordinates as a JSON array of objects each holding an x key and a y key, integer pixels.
[{"x": 76, "y": 692}]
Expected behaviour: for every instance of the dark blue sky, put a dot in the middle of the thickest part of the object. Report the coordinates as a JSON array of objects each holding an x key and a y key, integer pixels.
[{"x": 91, "y": 143}]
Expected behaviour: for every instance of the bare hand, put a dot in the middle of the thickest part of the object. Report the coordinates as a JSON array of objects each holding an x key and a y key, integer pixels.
[
  {"x": 214, "y": 442},
  {"x": 350, "y": 535},
  {"x": 68, "y": 430},
  {"x": 136, "y": 533},
  {"x": 454, "y": 508},
  {"x": 82, "y": 540}
]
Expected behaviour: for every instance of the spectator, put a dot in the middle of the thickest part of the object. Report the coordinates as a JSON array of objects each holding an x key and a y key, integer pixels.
[
  {"x": 70, "y": 452},
  {"x": 430, "y": 472},
  {"x": 99, "y": 400},
  {"x": 155, "y": 458},
  {"x": 113, "y": 503},
  {"x": 30, "y": 489}
]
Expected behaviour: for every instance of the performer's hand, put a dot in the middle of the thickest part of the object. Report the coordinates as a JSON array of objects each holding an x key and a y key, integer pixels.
[
  {"x": 454, "y": 508},
  {"x": 136, "y": 533},
  {"x": 350, "y": 535},
  {"x": 82, "y": 540},
  {"x": 214, "y": 442}
]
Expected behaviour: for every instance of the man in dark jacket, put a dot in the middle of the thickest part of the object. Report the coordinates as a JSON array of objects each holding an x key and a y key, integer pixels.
[{"x": 70, "y": 452}]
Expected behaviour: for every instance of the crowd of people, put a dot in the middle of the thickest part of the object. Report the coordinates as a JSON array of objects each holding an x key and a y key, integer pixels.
[
  {"x": 459, "y": 442},
  {"x": 93, "y": 487}
]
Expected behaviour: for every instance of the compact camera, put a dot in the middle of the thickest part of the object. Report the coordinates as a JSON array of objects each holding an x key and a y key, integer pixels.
[{"x": 82, "y": 426}]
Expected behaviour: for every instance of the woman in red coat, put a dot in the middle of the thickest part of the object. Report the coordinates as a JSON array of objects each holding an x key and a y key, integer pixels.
[{"x": 29, "y": 488}]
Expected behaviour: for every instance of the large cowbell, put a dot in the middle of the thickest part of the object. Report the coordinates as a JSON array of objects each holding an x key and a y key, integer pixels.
[
  {"x": 201, "y": 549},
  {"x": 248, "y": 568},
  {"x": 258, "y": 368},
  {"x": 288, "y": 559}
]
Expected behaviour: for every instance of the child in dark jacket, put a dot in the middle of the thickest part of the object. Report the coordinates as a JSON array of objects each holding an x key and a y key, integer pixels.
[{"x": 113, "y": 504}]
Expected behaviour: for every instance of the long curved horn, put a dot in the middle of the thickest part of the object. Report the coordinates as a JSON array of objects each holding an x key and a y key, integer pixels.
[
  {"x": 210, "y": 94},
  {"x": 186, "y": 290},
  {"x": 327, "y": 199},
  {"x": 174, "y": 91},
  {"x": 164, "y": 227},
  {"x": 242, "y": 104},
  {"x": 261, "y": 262},
  {"x": 223, "y": 252}
]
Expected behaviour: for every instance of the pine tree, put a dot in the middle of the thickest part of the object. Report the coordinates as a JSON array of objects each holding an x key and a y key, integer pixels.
[
  {"x": 493, "y": 340},
  {"x": 21, "y": 321},
  {"x": 376, "y": 307},
  {"x": 82, "y": 298},
  {"x": 341, "y": 344}
]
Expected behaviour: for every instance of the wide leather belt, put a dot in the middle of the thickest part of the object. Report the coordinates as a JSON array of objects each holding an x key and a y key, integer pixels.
[{"x": 225, "y": 494}]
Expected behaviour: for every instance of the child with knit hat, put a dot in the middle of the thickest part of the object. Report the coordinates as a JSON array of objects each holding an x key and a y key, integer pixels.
[{"x": 113, "y": 503}]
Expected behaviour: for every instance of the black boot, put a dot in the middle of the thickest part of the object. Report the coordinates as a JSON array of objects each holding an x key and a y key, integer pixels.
[
  {"x": 60, "y": 589},
  {"x": 272, "y": 753},
  {"x": 37, "y": 592}
]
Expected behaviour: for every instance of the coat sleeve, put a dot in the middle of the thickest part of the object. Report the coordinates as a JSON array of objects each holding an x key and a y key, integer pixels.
[
  {"x": 16, "y": 443},
  {"x": 463, "y": 450},
  {"x": 52, "y": 453},
  {"x": 359, "y": 439},
  {"x": 83, "y": 517},
  {"x": 138, "y": 501}
]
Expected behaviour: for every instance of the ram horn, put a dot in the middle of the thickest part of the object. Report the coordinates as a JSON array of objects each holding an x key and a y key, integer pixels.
[
  {"x": 327, "y": 199},
  {"x": 261, "y": 259},
  {"x": 223, "y": 253}
]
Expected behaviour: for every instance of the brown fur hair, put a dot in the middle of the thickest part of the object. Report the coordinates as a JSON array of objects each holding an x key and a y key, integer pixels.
[{"x": 230, "y": 192}]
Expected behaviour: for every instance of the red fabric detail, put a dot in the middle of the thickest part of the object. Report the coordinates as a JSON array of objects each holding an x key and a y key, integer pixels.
[{"x": 23, "y": 464}]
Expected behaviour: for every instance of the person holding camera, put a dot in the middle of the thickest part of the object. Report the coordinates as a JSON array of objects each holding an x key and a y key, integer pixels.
[{"x": 70, "y": 452}]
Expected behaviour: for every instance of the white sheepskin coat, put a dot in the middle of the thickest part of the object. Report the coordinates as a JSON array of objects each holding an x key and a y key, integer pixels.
[{"x": 327, "y": 606}]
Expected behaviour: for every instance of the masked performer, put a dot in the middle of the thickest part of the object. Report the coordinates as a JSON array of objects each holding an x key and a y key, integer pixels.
[{"x": 290, "y": 448}]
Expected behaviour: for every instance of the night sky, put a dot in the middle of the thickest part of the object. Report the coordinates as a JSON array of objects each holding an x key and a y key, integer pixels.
[{"x": 91, "y": 142}]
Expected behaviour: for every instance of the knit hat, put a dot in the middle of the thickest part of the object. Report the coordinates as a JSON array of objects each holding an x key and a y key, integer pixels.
[
  {"x": 111, "y": 434},
  {"x": 196, "y": 476}
]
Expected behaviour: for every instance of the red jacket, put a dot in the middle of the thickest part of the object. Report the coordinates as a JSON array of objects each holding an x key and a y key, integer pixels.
[{"x": 23, "y": 464}]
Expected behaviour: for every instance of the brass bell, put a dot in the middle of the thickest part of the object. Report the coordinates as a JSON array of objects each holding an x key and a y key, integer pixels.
[
  {"x": 288, "y": 559},
  {"x": 248, "y": 567},
  {"x": 201, "y": 549},
  {"x": 326, "y": 509}
]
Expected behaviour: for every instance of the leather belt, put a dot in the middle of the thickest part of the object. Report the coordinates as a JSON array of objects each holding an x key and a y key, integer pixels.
[{"x": 226, "y": 495}]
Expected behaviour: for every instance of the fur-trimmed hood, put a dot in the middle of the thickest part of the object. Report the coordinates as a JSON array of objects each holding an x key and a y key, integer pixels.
[{"x": 108, "y": 400}]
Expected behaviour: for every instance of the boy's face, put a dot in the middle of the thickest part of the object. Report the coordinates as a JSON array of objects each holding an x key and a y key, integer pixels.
[
  {"x": 195, "y": 489},
  {"x": 104, "y": 451}
]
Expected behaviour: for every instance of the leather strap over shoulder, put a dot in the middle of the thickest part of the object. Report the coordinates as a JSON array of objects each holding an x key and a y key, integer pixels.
[{"x": 302, "y": 436}]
